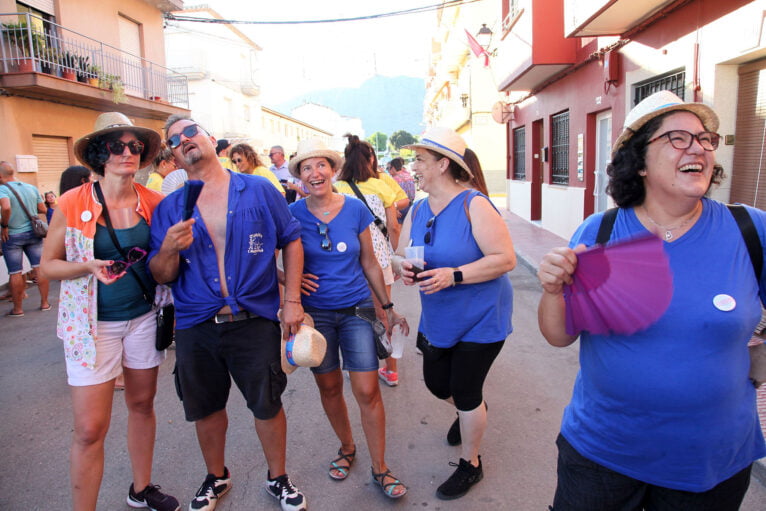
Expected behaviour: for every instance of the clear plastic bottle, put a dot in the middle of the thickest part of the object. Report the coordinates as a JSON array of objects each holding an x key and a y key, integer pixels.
[{"x": 397, "y": 341}]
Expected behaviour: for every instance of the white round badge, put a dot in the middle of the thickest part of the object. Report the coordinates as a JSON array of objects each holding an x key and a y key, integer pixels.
[
  {"x": 86, "y": 216},
  {"x": 724, "y": 303},
  {"x": 342, "y": 246}
]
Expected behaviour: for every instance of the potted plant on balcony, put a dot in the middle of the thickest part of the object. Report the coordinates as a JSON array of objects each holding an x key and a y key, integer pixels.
[
  {"x": 17, "y": 35},
  {"x": 83, "y": 69},
  {"x": 93, "y": 74},
  {"x": 49, "y": 59},
  {"x": 69, "y": 65},
  {"x": 114, "y": 84}
]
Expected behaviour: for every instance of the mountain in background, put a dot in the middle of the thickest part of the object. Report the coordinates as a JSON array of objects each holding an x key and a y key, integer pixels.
[{"x": 384, "y": 103}]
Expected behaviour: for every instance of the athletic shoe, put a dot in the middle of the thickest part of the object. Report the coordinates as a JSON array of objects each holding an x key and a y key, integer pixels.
[
  {"x": 151, "y": 497},
  {"x": 458, "y": 484},
  {"x": 211, "y": 490},
  {"x": 390, "y": 378},
  {"x": 290, "y": 497}
]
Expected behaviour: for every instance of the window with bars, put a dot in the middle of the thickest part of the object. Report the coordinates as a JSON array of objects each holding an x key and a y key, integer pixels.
[
  {"x": 673, "y": 81},
  {"x": 560, "y": 149},
  {"x": 519, "y": 153}
]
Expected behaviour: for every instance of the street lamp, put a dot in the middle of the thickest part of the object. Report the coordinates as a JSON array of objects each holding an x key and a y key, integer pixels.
[{"x": 484, "y": 36}]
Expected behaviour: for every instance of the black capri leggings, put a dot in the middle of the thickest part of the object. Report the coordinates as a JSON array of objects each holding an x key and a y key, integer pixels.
[{"x": 458, "y": 372}]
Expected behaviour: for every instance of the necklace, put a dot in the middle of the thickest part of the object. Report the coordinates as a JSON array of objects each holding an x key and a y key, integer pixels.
[
  {"x": 669, "y": 230},
  {"x": 318, "y": 209}
]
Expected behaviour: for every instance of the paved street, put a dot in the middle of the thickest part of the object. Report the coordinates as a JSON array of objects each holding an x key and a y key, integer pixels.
[{"x": 527, "y": 390}]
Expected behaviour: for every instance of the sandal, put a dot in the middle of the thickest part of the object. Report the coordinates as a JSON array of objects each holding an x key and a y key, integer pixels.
[
  {"x": 340, "y": 472},
  {"x": 388, "y": 488}
]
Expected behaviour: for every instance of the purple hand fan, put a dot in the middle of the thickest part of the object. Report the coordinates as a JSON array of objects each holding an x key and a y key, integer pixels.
[
  {"x": 192, "y": 189},
  {"x": 619, "y": 288}
]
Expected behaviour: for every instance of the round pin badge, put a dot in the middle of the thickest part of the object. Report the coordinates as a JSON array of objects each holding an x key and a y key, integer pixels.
[
  {"x": 342, "y": 246},
  {"x": 724, "y": 303},
  {"x": 86, "y": 216}
]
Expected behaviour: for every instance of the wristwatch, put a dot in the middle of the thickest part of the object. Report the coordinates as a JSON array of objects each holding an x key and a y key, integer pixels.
[
  {"x": 4, "y": 226},
  {"x": 457, "y": 276}
]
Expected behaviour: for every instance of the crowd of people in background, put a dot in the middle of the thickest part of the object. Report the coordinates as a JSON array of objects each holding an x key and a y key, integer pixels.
[{"x": 320, "y": 237}]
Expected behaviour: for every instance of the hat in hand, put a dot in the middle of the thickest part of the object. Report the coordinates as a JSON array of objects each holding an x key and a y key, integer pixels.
[{"x": 304, "y": 349}]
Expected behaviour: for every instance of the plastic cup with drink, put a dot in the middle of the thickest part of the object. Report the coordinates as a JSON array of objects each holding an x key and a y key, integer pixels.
[{"x": 414, "y": 256}]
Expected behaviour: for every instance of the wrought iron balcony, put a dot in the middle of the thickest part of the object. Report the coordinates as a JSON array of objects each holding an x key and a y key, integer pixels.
[{"x": 48, "y": 61}]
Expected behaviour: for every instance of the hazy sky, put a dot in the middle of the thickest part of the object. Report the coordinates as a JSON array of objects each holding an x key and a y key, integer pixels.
[{"x": 300, "y": 58}]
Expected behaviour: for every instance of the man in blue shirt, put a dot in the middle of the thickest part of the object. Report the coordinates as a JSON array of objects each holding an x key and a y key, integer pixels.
[
  {"x": 221, "y": 266},
  {"x": 18, "y": 238}
]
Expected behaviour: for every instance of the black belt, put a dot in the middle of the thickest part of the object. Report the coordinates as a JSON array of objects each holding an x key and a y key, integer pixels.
[{"x": 231, "y": 318}]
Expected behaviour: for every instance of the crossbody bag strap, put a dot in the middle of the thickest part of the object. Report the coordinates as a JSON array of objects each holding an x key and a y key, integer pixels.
[
  {"x": 21, "y": 202},
  {"x": 378, "y": 222},
  {"x": 607, "y": 223},
  {"x": 750, "y": 236},
  {"x": 113, "y": 235}
]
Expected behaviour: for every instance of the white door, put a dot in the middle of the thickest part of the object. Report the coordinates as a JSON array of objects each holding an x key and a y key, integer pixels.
[
  {"x": 603, "y": 158},
  {"x": 132, "y": 70}
]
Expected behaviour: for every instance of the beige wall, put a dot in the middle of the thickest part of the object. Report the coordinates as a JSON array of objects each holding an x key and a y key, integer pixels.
[{"x": 31, "y": 117}]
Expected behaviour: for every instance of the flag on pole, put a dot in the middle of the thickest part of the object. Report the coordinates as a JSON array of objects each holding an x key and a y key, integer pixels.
[{"x": 477, "y": 49}]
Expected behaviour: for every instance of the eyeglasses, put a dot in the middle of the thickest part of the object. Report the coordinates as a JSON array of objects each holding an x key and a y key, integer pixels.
[
  {"x": 188, "y": 132},
  {"x": 117, "y": 147},
  {"x": 236, "y": 161},
  {"x": 135, "y": 254},
  {"x": 323, "y": 229},
  {"x": 429, "y": 233},
  {"x": 682, "y": 139},
  {"x": 271, "y": 155}
]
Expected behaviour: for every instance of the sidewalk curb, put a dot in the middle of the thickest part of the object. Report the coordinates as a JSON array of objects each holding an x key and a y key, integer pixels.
[{"x": 759, "y": 471}]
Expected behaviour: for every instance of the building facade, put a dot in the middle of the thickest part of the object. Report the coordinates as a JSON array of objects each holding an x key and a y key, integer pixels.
[
  {"x": 63, "y": 63},
  {"x": 282, "y": 130},
  {"x": 581, "y": 65}
]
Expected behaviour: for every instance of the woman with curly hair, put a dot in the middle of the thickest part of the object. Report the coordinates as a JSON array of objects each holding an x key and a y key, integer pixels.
[
  {"x": 663, "y": 418},
  {"x": 247, "y": 162}
]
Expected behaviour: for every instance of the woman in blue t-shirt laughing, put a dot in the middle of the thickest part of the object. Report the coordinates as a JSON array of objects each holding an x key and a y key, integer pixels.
[{"x": 339, "y": 264}]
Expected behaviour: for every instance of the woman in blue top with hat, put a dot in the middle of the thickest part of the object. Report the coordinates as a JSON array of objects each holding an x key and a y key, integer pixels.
[
  {"x": 664, "y": 418},
  {"x": 465, "y": 292},
  {"x": 339, "y": 262}
]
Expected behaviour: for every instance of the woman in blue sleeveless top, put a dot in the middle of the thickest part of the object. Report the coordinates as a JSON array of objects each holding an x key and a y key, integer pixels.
[{"x": 465, "y": 293}]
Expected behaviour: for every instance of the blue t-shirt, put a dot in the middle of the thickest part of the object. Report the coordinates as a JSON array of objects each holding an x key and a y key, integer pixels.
[
  {"x": 341, "y": 278},
  {"x": 672, "y": 405},
  {"x": 19, "y": 221},
  {"x": 478, "y": 313},
  {"x": 124, "y": 299},
  {"x": 258, "y": 223}
]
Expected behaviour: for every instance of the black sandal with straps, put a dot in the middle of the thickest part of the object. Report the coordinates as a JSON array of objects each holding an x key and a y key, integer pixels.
[
  {"x": 388, "y": 488},
  {"x": 340, "y": 472}
]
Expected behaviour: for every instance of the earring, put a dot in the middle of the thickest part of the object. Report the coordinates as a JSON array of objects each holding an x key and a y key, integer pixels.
[{"x": 642, "y": 173}]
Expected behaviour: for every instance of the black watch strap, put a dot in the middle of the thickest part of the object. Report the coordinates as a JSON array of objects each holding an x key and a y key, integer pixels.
[{"x": 457, "y": 275}]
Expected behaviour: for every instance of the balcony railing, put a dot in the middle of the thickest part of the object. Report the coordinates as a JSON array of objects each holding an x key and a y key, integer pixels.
[{"x": 32, "y": 44}]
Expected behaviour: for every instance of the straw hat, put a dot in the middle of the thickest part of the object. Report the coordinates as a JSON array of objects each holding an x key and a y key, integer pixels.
[
  {"x": 304, "y": 349},
  {"x": 660, "y": 103},
  {"x": 445, "y": 142},
  {"x": 111, "y": 122},
  {"x": 313, "y": 148}
]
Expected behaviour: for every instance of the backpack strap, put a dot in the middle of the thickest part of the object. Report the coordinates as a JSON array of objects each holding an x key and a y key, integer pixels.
[
  {"x": 750, "y": 236},
  {"x": 607, "y": 224}
]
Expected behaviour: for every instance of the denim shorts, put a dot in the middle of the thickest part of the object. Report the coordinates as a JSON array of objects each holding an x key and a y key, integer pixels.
[
  {"x": 347, "y": 335},
  {"x": 210, "y": 355},
  {"x": 18, "y": 245}
]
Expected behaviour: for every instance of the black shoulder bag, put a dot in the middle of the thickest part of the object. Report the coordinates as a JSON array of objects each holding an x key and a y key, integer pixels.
[
  {"x": 39, "y": 227},
  {"x": 378, "y": 221},
  {"x": 165, "y": 315}
]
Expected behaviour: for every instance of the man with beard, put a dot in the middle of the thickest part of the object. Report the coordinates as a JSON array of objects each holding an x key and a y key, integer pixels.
[{"x": 221, "y": 267}]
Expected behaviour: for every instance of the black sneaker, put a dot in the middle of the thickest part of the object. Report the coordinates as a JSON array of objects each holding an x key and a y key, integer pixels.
[
  {"x": 151, "y": 497},
  {"x": 211, "y": 490},
  {"x": 460, "y": 481},
  {"x": 282, "y": 489}
]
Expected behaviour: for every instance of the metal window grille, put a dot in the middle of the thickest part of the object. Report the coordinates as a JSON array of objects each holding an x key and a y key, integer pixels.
[
  {"x": 519, "y": 153},
  {"x": 673, "y": 81},
  {"x": 560, "y": 149}
]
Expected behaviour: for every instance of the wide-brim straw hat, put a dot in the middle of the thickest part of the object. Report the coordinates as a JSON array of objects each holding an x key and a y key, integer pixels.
[
  {"x": 313, "y": 148},
  {"x": 111, "y": 122},
  {"x": 660, "y": 103},
  {"x": 446, "y": 142},
  {"x": 305, "y": 349}
]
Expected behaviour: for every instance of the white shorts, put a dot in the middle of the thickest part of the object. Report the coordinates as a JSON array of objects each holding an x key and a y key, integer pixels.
[
  {"x": 119, "y": 343},
  {"x": 388, "y": 275}
]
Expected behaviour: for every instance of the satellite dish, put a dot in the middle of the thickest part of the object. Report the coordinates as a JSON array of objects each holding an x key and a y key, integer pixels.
[{"x": 502, "y": 112}]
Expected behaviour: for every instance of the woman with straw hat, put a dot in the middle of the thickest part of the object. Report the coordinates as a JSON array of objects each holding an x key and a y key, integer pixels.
[
  {"x": 339, "y": 265},
  {"x": 465, "y": 292},
  {"x": 106, "y": 319},
  {"x": 663, "y": 418}
]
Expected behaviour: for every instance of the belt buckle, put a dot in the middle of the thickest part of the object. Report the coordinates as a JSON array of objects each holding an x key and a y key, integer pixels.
[{"x": 223, "y": 318}]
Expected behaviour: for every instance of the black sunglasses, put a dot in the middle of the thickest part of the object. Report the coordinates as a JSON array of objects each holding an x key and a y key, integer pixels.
[
  {"x": 188, "y": 132},
  {"x": 135, "y": 254},
  {"x": 326, "y": 242},
  {"x": 117, "y": 147},
  {"x": 236, "y": 160},
  {"x": 428, "y": 237}
]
